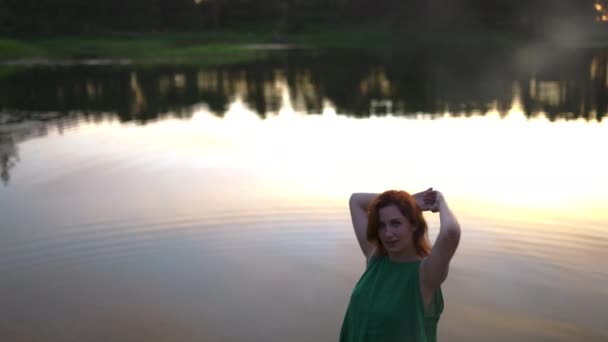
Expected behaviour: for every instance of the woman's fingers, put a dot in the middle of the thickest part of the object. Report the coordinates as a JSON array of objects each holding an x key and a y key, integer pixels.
[
  {"x": 427, "y": 199},
  {"x": 430, "y": 197}
]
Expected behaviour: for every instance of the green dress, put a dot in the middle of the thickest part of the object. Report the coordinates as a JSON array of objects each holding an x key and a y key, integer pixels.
[{"x": 386, "y": 305}]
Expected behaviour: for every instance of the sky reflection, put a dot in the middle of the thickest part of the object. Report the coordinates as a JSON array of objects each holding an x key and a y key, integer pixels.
[
  {"x": 497, "y": 161},
  {"x": 491, "y": 160}
]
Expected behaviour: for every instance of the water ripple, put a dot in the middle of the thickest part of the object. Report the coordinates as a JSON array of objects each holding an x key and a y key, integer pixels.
[{"x": 227, "y": 230}]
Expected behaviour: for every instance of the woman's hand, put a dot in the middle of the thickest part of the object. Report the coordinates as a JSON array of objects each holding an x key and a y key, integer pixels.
[
  {"x": 437, "y": 202},
  {"x": 428, "y": 200}
]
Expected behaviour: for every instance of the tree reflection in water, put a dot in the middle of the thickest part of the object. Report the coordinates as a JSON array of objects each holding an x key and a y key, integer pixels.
[
  {"x": 461, "y": 82},
  {"x": 412, "y": 81}
]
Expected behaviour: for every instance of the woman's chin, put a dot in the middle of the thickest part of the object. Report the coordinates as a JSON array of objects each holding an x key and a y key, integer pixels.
[{"x": 391, "y": 246}]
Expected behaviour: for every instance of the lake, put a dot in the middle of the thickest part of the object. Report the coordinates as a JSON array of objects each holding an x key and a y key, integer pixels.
[{"x": 177, "y": 202}]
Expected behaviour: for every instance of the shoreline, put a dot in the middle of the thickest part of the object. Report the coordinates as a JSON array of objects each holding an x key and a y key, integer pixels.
[{"x": 226, "y": 47}]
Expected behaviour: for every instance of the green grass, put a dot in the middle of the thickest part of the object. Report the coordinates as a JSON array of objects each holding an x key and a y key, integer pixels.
[
  {"x": 228, "y": 46},
  {"x": 12, "y": 49},
  {"x": 208, "y": 48},
  {"x": 369, "y": 37},
  {"x": 136, "y": 48}
]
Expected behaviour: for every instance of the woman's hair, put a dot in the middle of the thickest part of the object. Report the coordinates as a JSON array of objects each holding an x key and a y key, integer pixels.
[{"x": 408, "y": 207}]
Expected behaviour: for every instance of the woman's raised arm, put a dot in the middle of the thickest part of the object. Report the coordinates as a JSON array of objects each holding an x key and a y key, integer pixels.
[
  {"x": 434, "y": 269},
  {"x": 358, "y": 204}
]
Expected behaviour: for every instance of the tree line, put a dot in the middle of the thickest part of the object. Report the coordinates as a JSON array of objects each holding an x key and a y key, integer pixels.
[{"x": 288, "y": 16}]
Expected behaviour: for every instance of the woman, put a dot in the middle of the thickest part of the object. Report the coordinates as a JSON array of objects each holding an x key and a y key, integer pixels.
[{"x": 398, "y": 297}]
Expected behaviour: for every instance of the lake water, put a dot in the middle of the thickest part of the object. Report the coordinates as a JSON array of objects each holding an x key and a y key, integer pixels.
[{"x": 182, "y": 203}]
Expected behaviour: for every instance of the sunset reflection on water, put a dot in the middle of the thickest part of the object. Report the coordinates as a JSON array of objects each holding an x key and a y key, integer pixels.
[{"x": 218, "y": 216}]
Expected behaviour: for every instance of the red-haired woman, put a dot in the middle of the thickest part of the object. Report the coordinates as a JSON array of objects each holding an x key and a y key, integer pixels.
[{"x": 398, "y": 297}]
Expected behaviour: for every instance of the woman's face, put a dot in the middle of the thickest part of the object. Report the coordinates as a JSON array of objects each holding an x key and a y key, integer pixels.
[{"x": 394, "y": 230}]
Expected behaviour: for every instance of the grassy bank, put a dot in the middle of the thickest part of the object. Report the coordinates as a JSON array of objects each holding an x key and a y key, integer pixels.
[
  {"x": 203, "y": 48},
  {"x": 212, "y": 46},
  {"x": 232, "y": 46},
  {"x": 10, "y": 48}
]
